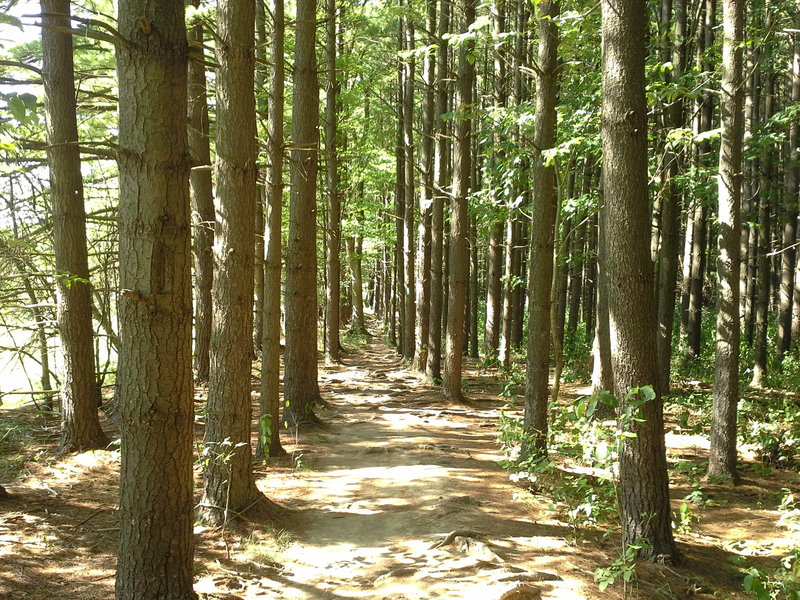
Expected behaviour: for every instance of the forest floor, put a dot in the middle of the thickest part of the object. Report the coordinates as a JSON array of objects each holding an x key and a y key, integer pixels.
[{"x": 398, "y": 496}]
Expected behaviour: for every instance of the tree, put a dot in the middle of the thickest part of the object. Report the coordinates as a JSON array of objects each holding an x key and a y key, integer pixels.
[
  {"x": 202, "y": 199},
  {"x": 154, "y": 377},
  {"x": 459, "y": 221},
  {"x": 545, "y": 201},
  {"x": 227, "y": 475},
  {"x": 301, "y": 388},
  {"x": 333, "y": 230},
  {"x": 722, "y": 454},
  {"x": 440, "y": 171},
  {"x": 270, "y": 400},
  {"x": 80, "y": 427},
  {"x": 644, "y": 493}
]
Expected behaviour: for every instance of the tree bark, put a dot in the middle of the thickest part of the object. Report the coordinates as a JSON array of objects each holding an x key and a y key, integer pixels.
[
  {"x": 722, "y": 454},
  {"x": 545, "y": 201},
  {"x": 440, "y": 171},
  {"x": 202, "y": 201},
  {"x": 459, "y": 220},
  {"x": 154, "y": 377},
  {"x": 80, "y": 426},
  {"x": 270, "y": 400},
  {"x": 409, "y": 292},
  {"x": 644, "y": 493},
  {"x": 228, "y": 480},
  {"x": 301, "y": 388}
]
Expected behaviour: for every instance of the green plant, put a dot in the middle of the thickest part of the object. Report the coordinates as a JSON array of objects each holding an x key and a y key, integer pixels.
[
  {"x": 623, "y": 568},
  {"x": 782, "y": 583}
]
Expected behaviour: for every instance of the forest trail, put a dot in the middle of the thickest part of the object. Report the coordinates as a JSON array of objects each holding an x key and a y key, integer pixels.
[
  {"x": 396, "y": 471},
  {"x": 399, "y": 496}
]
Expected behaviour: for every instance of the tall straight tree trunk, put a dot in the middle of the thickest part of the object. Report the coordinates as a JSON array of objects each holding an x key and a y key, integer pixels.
[
  {"x": 440, "y": 170},
  {"x": 80, "y": 427},
  {"x": 154, "y": 377},
  {"x": 400, "y": 193},
  {"x": 545, "y": 201},
  {"x": 409, "y": 343},
  {"x": 230, "y": 483},
  {"x": 792, "y": 185},
  {"x": 301, "y": 387},
  {"x": 333, "y": 230},
  {"x": 270, "y": 401},
  {"x": 459, "y": 220},
  {"x": 202, "y": 199},
  {"x": 722, "y": 454},
  {"x": 602, "y": 374},
  {"x": 576, "y": 273},
  {"x": 762, "y": 295},
  {"x": 473, "y": 283},
  {"x": 354, "y": 246},
  {"x": 644, "y": 493},
  {"x": 670, "y": 213},
  {"x": 423, "y": 276}
]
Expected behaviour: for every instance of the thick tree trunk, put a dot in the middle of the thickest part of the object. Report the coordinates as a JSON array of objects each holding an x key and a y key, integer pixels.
[
  {"x": 722, "y": 454},
  {"x": 270, "y": 402},
  {"x": 301, "y": 387},
  {"x": 459, "y": 220},
  {"x": 202, "y": 199},
  {"x": 440, "y": 172},
  {"x": 644, "y": 493},
  {"x": 80, "y": 427},
  {"x": 154, "y": 377},
  {"x": 228, "y": 481},
  {"x": 333, "y": 230},
  {"x": 545, "y": 201}
]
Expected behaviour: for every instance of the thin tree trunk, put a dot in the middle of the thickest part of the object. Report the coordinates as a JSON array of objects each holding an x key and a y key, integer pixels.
[
  {"x": 333, "y": 230},
  {"x": 301, "y": 386},
  {"x": 459, "y": 221},
  {"x": 545, "y": 202},
  {"x": 80, "y": 426},
  {"x": 229, "y": 482},
  {"x": 409, "y": 343},
  {"x": 270, "y": 401},
  {"x": 202, "y": 199},
  {"x": 722, "y": 454}
]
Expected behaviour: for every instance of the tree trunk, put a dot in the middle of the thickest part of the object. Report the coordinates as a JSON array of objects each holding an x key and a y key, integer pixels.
[
  {"x": 545, "y": 201},
  {"x": 440, "y": 170},
  {"x": 459, "y": 220},
  {"x": 301, "y": 388},
  {"x": 409, "y": 343},
  {"x": 423, "y": 276},
  {"x": 80, "y": 427},
  {"x": 602, "y": 374},
  {"x": 154, "y": 377},
  {"x": 202, "y": 198},
  {"x": 333, "y": 230},
  {"x": 722, "y": 454},
  {"x": 473, "y": 286},
  {"x": 228, "y": 481},
  {"x": 270, "y": 402},
  {"x": 644, "y": 493},
  {"x": 357, "y": 285}
]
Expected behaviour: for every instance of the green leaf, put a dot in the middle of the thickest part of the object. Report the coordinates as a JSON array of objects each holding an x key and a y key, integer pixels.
[
  {"x": 648, "y": 393},
  {"x": 9, "y": 20}
]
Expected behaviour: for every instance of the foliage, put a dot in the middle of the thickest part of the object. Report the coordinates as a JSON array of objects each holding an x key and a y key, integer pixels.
[
  {"x": 772, "y": 426},
  {"x": 624, "y": 567}
]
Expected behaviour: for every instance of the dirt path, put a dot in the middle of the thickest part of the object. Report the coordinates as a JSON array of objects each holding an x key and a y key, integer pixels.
[{"x": 395, "y": 472}]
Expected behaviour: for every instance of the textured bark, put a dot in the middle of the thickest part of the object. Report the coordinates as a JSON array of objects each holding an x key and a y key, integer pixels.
[
  {"x": 154, "y": 377},
  {"x": 400, "y": 196},
  {"x": 440, "y": 171},
  {"x": 229, "y": 483},
  {"x": 576, "y": 274},
  {"x": 722, "y": 454},
  {"x": 602, "y": 374},
  {"x": 644, "y": 484},
  {"x": 790, "y": 211},
  {"x": 300, "y": 372},
  {"x": 354, "y": 248},
  {"x": 472, "y": 308},
  {"x": 670, "y": 213},
  {"x": 459, "y": 221},
  {"x": 270, "y": 401},
  {"x": 762, "y": 297},
  {"x": 80, "y": 427},
  {"x": 333, "y": 229},
  {"x": 409, "y": 306},
  {"x": 545, "y": 200},
  {"x": 202, "y": 202},
  {"x": 423, "y": 277}
]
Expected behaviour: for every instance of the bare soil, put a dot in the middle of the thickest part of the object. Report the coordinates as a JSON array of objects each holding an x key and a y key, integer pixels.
[{"x": 398, "y": 496}]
